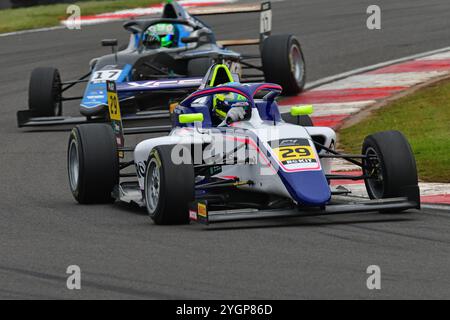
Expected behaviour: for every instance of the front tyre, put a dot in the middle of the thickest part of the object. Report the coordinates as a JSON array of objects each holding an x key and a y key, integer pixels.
[
  {"x": 284, "y": 63},
  {"x": 168, "y": 188},
  {"x": 390, "y": 167},
  {"x": 45, "y": 92},
  {"x": 93, "y": 163}
]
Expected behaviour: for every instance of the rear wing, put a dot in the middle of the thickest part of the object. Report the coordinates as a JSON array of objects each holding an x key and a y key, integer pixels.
[{"x": 265, "y": 25}]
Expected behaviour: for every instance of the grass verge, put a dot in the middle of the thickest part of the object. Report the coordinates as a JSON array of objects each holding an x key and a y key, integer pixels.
[
  {"x": 50, "y": 15},
  {"x": 424, "y": 118}
]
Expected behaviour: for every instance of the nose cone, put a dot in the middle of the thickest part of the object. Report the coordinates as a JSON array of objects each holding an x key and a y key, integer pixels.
[
  {"x": 95, "y": 100},
  {"x": 307, "y": 187}
]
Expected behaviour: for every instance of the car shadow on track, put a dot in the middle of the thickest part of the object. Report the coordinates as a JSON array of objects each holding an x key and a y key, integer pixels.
[
  {"x": 310, "y": 221},
  {"x": 130, "y": 208},
  {"x": 302, "y": 222}
]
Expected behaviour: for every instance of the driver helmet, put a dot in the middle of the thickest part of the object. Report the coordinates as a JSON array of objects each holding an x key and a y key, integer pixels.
[
  {"x": 222, "y": 103},
  {"x": 160, "y": 35}
]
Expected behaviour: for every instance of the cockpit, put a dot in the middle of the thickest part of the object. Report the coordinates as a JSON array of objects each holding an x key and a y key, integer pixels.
[{"x": 165, "y": 35}]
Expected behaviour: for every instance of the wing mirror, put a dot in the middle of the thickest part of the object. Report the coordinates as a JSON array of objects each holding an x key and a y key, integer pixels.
[
  {"x": 298, "y": 111},
  {"x": 113, "y": 44},
  {"x": 191, "y": 118},
  {"x": 110, "y": 42}
]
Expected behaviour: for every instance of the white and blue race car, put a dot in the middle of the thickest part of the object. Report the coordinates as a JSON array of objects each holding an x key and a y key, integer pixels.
[{"x": 258, "y": 167}]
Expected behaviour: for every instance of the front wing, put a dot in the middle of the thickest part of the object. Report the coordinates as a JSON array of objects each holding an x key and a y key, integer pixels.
[
  {"x": 199, "y": 210},
  {"x": 25, "y": 118}
]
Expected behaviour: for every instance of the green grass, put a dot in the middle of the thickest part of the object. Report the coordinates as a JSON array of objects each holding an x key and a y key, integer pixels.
[
  {"x": 424, "y": 118},
  {"x": 50, "y": 15}
]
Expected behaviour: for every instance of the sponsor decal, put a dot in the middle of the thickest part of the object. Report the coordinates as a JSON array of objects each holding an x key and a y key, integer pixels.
[
  {"x": 141, "y": 168},
  {"x": 172, "y": 106},
  {"x": 234, "y": 67},
  {"x": 202, "y": 211},
  {"x": 215, "y": 170},
  {"x": 158, "y": 84},
  {"x": 95, "y": 97},
  {"x": 266, "y": 19},
  {"x": 193, "y": 215}
]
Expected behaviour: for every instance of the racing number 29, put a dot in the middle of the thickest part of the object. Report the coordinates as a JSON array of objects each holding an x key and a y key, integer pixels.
[
  {"x": 294, "y": 152},
  {"x": 113, "y": 105},
  {"x": 114, "y": 111}
]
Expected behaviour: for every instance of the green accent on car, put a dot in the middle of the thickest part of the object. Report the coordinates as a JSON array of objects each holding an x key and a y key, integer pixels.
[
  {"x": 302, "y": 110},
  {"x": 216, "y": 70},
  {"x": 220, "y": 113},
  {"x": 191, "y": 118}
]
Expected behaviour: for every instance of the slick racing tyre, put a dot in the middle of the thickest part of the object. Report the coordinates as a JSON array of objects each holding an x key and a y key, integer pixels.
[
  {"x": 390, "y": 167},
  {"x": 199, "y": 67},
  {"x": 304, "y": 121},
  {"x": 44, "y": 94},
  {"x": 283, "y": 63},
  {"x": 93, "y": 163},
  {"x": 168, "y": 188}
]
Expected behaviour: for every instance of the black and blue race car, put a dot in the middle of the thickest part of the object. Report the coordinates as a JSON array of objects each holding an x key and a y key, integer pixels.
[{"x": 168, "y": 55}]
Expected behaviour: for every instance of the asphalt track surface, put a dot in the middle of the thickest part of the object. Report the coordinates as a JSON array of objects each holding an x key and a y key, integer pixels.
[{"x": 123, "y": 255}]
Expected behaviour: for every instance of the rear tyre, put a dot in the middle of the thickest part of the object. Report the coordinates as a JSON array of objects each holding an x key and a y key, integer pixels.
[
  {"x": 283, "y": 63},
  {"x": 391, "y": 167},
  {"x": 44, "y": 95},
  {"x": 169, "y": 188},
  {"x": 198, "y": 67},
  {"x": 93, "y": 163},
  {"x": 304, "y": 121}
]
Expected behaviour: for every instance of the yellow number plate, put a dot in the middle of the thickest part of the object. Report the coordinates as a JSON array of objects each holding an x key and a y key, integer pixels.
[
  {"x": 295, "y": 154},
  {"x": 113, "y": 106}
]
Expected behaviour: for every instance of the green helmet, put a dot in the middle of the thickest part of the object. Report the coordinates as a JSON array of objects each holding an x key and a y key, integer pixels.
[{"x": 161, "y": 35}]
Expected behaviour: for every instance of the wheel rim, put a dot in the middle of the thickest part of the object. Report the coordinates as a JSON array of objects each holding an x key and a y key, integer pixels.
[
  {"x": 74, "y": 165},
  {"x": 373, "y": 169},
  {"x": 153, "y": 186},
  {"x": 297, "y": 66}
]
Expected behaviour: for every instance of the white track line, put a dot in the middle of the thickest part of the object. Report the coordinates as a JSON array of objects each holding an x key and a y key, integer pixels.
[
  {"x": 426, "y": 189},
  {"x": 18, "y": 33},
  {"x": 439, "y": 56}
]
